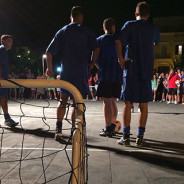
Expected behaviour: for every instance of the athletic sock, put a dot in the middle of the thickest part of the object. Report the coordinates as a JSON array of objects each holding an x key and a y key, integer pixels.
[
  {"x": 140, "y": 132},
  {"x": 108, "y": 128},
  {"x": 126, "y": 132},
  {"x": 113, "y": 126},
  {"x": 59, "y": 125},
  {"x": 6, "y": 116}
]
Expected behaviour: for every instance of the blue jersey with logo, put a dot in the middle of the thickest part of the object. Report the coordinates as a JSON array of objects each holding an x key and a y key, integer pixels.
[
  {"x": 138, "y": 39},
  {"x": 74, "y": 43},
  {"x": 4, "y": 62},
  {"x": 109, "y": 68}
]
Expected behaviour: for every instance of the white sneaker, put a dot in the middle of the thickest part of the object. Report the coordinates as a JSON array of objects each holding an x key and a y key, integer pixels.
[
  {"x": 153, "y": 100},
  {"x": 168, "y": 102},
  {"x": 175, "y": 102}
]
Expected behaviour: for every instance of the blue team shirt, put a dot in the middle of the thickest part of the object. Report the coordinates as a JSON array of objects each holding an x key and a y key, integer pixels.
[
  {"x": 109, "y": 68},
  {"x": 4, "y": 62},
  {"x": 182, "y": 79},
  {"x": 138, "y": 38},
  {"x": 74, "y": 43}
]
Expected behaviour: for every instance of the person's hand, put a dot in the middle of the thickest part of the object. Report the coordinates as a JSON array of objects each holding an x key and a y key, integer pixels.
[
  {"x": 122, "y": 62},
  {"x": 49, "y": 72}
]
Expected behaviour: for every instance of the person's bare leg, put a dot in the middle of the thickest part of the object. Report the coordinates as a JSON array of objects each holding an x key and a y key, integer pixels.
[
  {"x": 114, "y": 110},
  {"x": 142, "y": 123},
  {"x": 108, "y": 118},
  {"x": 143, "y": 116},
  {"x": 4, "y": 105},
  {"x": 125, "y": 140},
  {"x": 107, "y": 111},
  {"x": 62, "y": 107},
  {"x": 127, "y": 113},
  {"x": 8, "y": 121},
  {"x": 60, "y": 115}
]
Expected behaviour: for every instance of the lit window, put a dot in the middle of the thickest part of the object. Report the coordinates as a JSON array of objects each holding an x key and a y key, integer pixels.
[{"x": 180, "y": 48}]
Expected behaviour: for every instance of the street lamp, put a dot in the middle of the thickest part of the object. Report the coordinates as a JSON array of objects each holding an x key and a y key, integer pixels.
[
  {"x": 44, "y": 56},
  {"x": 58, "y": 69}
]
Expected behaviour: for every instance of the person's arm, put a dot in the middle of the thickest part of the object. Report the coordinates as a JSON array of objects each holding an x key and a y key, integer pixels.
[
  {"x": 95, "y": 55},
  {"x": 49, "y": 70},
  {"x": 169, "y": 76},
  {"x": 121, "y": 60}
]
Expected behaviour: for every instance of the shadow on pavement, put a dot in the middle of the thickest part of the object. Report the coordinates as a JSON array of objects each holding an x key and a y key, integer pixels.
[{"x": 167, "y": 159}]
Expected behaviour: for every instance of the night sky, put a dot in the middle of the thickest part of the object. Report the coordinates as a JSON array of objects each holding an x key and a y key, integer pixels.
[{"x": 34, "y": 22}]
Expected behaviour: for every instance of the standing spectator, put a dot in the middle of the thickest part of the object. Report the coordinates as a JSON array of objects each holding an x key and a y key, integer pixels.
[
  {"x": 154, "y": 87},
  {"x": 40, "y": 91},
  {"x": 138, "y": 38},
  {"x": 21, "y": 89},
  {"x": 110, "y": 76},
  {"x": 173, "y": 78},
  {"x": 6, "y": 44},
  {"x": 51, "y": 91},
  {"x": 32, "y": 91},
  {"x": 13, "y": 91},
  {"x": 165, "y": 88},
  {"x": 161, "y": 88},
  {"x": 74, "y": 42},
  {"x": 58, "y": 77},
  {"x": 90, "y": 88},
  {"x": 96, "y": 81}
]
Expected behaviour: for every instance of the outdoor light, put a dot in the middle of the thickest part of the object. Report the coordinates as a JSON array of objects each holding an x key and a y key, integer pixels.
[
  {"x": 59, "y": 69},
  {"x": 44, "y": 56}
]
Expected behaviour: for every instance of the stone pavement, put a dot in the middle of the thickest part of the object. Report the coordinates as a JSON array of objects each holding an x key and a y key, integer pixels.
[{"x": 161, "y": 161}]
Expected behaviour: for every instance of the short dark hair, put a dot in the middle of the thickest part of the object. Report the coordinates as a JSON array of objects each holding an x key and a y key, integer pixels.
[
  {"x": 76, "y": 11},
  {"x": 143, "y": 9},
  {"x": 5, "y": 37},
  {"x": 108, "y": 23}
]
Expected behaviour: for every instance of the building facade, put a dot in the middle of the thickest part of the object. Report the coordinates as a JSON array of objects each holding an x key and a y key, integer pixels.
[{"x": 171, "y": 45}]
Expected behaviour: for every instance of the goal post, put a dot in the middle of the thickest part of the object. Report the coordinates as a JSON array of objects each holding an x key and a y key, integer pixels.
[{"x": 78, "y": 144}]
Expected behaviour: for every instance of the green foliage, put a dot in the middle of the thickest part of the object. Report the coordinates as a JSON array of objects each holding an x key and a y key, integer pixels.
[
  {"x": 23, "y": 58},
  {"x": 179, "y": 63}
]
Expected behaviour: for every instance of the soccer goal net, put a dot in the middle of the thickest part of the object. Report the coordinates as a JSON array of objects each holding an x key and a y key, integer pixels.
[{"x": 28, "y": 152}]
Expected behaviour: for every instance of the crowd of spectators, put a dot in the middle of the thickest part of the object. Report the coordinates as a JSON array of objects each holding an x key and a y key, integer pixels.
[
  {"x": 168, "y": 87},
  {"x": 33, "y": 93}
]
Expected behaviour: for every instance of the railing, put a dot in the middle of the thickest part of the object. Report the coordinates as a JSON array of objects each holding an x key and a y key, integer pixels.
[{"x": 78, "y": 160}]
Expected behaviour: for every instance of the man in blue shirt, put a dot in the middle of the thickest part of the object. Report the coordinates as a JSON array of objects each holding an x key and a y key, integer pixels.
[
  {"x": 7, "y": 42},
  {"x": 110, "y": 76},
  {"x": 137, "y": 38},
  {"x": 74, "y": 43}
]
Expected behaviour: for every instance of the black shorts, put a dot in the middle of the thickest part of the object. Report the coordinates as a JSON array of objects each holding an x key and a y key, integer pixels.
[
  {"x": 172, "y": 91},
  {"x": 109, "y": 90},
  {"x": 164, "y": 90}
]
